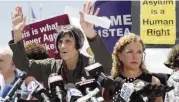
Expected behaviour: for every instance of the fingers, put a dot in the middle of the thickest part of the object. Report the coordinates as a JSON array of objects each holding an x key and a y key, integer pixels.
[
  {"x": 19, "y": 9},
  {"x": 97, "y": 11},
  {"x": 17, "y": 15},
  {"x": 16, "y": 20},
  {"x": 89, "y": 9},
  {"x": 92, "y": 9},
  {"x": 17, "y": 12},
  {"x": 84, "y": 8}
]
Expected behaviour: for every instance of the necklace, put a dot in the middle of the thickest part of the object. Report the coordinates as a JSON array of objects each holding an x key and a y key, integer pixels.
[{"x": 129, "y": 80}]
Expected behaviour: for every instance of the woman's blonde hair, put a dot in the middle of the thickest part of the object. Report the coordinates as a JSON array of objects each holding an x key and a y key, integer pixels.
[{"x": 117, "y": 65}]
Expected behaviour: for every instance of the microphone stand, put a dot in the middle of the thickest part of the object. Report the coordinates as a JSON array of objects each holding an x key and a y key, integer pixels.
[
  {"x": 17, "y": 97},
  {"x": 58, "y": 93}
]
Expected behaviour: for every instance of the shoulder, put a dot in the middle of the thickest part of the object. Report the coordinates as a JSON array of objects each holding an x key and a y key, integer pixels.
[
  {"x": 58, "y": 61},
  {"x": 48, "y": 60},
  {"x": 44, "y": 61},
  {"x": 164, "y": 76},
  {"x": 155, "y": 80}
]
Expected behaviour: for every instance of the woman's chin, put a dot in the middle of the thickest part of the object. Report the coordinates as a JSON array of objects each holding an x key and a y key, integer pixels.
[{"x": 134, "y": 67}]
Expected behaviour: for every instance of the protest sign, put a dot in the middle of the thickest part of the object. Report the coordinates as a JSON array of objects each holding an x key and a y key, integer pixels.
[{"x": 44, "y": 32}]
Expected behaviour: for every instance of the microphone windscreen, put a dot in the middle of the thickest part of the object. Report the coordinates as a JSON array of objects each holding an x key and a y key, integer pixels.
[
  {"x": 55, "y": 79},
  {"x": 139, "y": 84},
  {"x": 72, "y": 93},
  {"x": 53, "y": 74},
  {"x": 28, "y": 80},
  {"x": 69, "y": 85},
  {"x": 32, "y": 86},
  {"x": 126, "y": 91},
  {"x": 119, "y": 81}
]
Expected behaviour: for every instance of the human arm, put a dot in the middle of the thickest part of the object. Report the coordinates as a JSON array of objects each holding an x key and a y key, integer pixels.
[
  {"x": 101, "y": 53},
  {"x": 156, "y": 81},
  {"x": 38, "y": 69}
]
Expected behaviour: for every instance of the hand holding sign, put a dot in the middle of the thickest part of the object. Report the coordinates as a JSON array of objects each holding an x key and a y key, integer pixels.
[
  {"x": 18, "y": 22},
  {"x": 88, "y": 27}
]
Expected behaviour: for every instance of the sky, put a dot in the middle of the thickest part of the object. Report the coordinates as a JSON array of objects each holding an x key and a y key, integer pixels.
[{"x": 46, "y": 10}]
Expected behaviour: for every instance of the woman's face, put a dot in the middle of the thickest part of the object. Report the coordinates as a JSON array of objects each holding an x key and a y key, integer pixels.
[
  {"x": 132, "y": 55},
  {"x": 67, "y": 47}
]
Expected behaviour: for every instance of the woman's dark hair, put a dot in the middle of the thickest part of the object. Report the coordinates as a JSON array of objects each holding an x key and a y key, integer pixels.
[
  {"x": 72, "y": 31},
  {"x": 173, "y": 58},
  {"x": 36, "y": 51}
]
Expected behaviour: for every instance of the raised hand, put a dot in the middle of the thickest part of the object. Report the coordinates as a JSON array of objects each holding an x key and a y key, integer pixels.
[
  {"x": 18, "y": 23},
  {"x": 88, "y": 28}
]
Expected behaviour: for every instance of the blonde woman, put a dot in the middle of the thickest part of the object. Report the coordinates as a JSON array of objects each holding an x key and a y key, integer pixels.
[
  {"x": 128, "y": 63},
  {"x": 127, "y": 57}
]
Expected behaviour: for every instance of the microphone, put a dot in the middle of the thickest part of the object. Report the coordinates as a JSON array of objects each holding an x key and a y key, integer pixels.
[
  {"x": 22, "y": 93},
  {"x": 139, "y": 88},
  {"x": 122, "y": 91},
  {"x": 126, "y": 91},
  {"x": 6, "y": 89},
  {"x": 16, "y": 86},
  {"x": 82, "y": 85},
  {"x": 86, "y": 86},
  {"x": 36, "y": 89},
  {"x": 72, "y": 93},
  {"x": 56, "y": 85},
  {"x": 90, "y": 95},
  {"x": 32, "y": 90},
  {"x": 146, "y": 88},
  {"x": 16, "y": 96},
  {"x": 96, "y": 71}
]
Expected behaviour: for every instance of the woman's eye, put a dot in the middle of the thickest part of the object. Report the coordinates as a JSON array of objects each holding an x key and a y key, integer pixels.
[
  {"x": 67, "y": 41},
  {"x": 140, "y": 52},
  {"x": 60, "y": 42}
]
